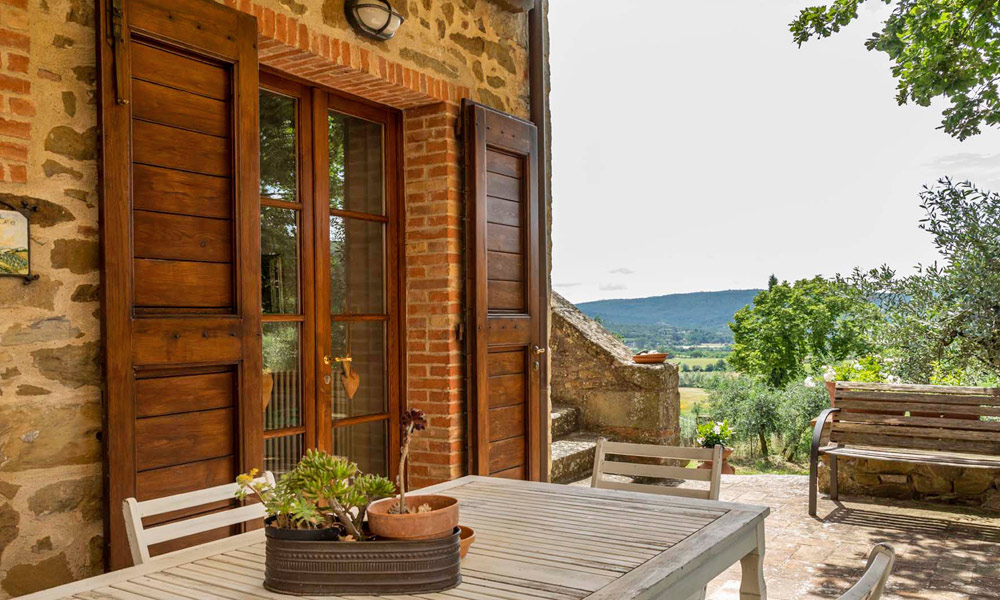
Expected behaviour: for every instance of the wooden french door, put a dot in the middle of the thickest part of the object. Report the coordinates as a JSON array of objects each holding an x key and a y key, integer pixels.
[
  {"x": 329, "y": 276},
  {"x": 179, "y": 234},
  {"x": 505, "y": 288}
]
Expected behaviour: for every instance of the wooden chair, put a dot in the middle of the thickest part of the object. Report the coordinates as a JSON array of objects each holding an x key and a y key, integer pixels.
[
  {"x": 604, "y": 467},
  {"x": 872, "y": 582},
  {"x": 141, "y": 538}
]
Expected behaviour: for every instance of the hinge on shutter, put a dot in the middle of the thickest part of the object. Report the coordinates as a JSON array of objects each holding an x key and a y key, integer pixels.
[{"x": 116, "y": 18}]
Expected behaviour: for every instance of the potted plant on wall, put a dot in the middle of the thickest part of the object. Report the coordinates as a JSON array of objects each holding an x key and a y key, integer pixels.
[
  {"x": 420, "y": 517},
  {"x": 317, "y": 542},
  {"x": 719, "y": 433}
]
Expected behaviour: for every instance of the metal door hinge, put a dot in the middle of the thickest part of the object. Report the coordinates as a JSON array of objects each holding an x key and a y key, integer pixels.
[{"x": 116, "y": 35}]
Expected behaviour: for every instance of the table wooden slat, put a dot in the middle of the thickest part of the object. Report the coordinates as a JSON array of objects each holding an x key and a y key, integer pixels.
[{"x": 534, "y": 541}]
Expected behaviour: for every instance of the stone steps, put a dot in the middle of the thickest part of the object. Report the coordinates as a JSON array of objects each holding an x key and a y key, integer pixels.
[
  {"x": 573, "y": 457},
  {"x": 565, "y": 420}
]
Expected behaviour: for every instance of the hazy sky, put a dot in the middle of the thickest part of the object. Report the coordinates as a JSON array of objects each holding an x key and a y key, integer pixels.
[{"x": 695, "y": 147}]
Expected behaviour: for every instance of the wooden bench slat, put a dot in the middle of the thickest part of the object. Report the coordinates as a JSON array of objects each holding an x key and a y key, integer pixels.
[
  {"x": 877, "y": 396},
  {"x": 956, "y": 424},
  {"x": 925, "y": 389},
  {"x": 934, "y": 433},
  {"x": 947, "y": 460},
  {"x": 898, "y": 407},
  {"x": 893, "y": 441}
]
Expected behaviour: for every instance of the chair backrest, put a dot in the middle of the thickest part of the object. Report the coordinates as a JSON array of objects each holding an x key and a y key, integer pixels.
[
  {"x": 603, "y": 467},
  {"x": 872, "y": 582},
  {"x": 917, "y": 417},
  {"x": 141, "y": 538}
]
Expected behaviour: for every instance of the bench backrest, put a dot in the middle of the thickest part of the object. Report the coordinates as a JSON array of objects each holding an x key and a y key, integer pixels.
[
  {"x": 918, "y": 417},
  {"x": 603, "y": 466}
]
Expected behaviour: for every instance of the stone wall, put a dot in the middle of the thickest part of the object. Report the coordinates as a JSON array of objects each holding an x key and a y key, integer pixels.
[
  {"x": 593, "y": 370},
  {"x": 951, "y": 485},
  {"x": 50, "y": 415},
  {"x": 50, "y": 471}
]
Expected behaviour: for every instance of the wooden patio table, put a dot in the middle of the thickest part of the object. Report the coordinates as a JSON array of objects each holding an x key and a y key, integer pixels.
[{"x": 533, "y": 541}]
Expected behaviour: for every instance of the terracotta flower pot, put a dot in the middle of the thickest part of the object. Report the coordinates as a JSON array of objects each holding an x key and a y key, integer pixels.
[
  {"x": 727, "y": 469},
  {"x": 438, "y": 522},
  {"x": 468, "y": 536}
]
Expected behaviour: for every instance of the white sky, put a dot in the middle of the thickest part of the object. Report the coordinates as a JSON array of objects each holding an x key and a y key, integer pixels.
[{"x": 695, "y": 147}]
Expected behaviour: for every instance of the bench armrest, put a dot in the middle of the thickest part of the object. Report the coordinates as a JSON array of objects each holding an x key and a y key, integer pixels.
[{"x": 818, "y": 432}]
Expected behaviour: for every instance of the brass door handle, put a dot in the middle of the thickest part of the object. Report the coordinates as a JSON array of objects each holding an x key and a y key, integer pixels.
[
  {"x": 540, "y": 350},
  {"x": 326, "y": 359}
]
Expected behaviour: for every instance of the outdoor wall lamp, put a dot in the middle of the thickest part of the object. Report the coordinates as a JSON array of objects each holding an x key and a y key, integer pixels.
[{"x": 373, "y": 18}]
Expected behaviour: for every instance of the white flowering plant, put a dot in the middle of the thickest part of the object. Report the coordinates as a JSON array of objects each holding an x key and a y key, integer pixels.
[{"x": 716, "y": 433}]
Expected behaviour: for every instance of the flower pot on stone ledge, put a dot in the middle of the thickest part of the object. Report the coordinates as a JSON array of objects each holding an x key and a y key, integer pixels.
[{"x": 727, "y": 469}]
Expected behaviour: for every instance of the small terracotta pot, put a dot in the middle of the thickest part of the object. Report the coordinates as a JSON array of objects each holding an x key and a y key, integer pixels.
[
  {"x": 468, "y": 536},
  {"x": 439, "y": 522},
  {"x": 727, "y": 469}
]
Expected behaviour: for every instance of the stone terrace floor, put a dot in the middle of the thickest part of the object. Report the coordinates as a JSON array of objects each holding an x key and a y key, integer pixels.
[{"x": 943, "y": 553}]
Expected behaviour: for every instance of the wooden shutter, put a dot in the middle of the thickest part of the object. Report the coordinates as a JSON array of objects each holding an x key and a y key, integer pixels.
[
  {"x": 504, "y": 288},
  {"x": 180, "y": 245}
]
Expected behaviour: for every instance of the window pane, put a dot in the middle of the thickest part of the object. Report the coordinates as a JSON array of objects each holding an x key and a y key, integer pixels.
[
  {"x": 282, "y": 375},
  {"x": 278, "y": 170},
  {"x": 365, "y": 444},
  {"x": 356, "y": 181},
  {"x": 364, "y": 342},
  {"x": 357, "y": 265},
  {"x": 282, "y": 453},
  {"x": 279, "y": 260}
]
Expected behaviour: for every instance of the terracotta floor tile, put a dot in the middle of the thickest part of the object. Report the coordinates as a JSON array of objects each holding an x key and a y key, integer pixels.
[{"x": 943, "y": 553}]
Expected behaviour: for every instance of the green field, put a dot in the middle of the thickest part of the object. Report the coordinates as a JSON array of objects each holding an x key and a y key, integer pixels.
[
  {"x": 693, "y": 362},
  {"x": 689, "y": 396}
]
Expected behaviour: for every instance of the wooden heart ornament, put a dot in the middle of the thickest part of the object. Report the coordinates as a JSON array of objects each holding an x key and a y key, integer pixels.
[{"x": 350, "y": 380}]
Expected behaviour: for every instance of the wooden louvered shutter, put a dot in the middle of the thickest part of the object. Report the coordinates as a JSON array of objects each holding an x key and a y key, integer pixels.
[
  {"x": 180, "y": 246},
  {"x": 505, "y": 289}
]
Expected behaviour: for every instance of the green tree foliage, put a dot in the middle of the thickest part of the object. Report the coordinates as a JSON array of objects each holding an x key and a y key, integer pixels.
[
  {"x": 944, "y": 319},
  {"x": 939, "y": 49},
  {"x": 760, "y": 413},
  {"x": 791, "y": 323}
]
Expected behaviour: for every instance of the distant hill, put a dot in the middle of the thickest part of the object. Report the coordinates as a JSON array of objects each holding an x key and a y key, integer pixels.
[{"x": 708, "y": 312}]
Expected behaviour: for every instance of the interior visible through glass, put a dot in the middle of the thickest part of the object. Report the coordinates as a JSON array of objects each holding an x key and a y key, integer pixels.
[
  {"x": 356, "y": 164},
  {"x": 364, "y": 343},
  {"x": 278, "y": 155},
  {"x": 365, "y": 443},
  {"x": 279, "y": 260},
  {"x": 282, "y": 376},
  {"x": 357, "y": 266}
]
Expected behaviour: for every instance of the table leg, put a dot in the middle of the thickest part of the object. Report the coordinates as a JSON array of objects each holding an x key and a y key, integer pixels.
[{"x": 752, "y": 586}]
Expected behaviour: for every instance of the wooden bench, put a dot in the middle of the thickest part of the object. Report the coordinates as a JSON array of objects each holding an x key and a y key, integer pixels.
[{"x": 923, "y": 424}]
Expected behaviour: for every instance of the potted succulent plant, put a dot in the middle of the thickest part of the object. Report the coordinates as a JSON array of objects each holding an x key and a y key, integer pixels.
[
  {"x": 317, "y": 542},
  {"x": 715, "y": 434},
  {"x": 421, "y": 517}
]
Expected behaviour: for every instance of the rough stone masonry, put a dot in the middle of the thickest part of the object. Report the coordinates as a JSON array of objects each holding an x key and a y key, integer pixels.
[{"x": 50, "y": 383}]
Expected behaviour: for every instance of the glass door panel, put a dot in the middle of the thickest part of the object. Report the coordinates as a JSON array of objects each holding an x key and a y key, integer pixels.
[
  {"x": 329, "y": 247},
  {"x": 357, "y": 266},
  {"x": 281, "y": 246},
  {"x": 358, "y": 308},
  {"x": 365, "y": 342}
]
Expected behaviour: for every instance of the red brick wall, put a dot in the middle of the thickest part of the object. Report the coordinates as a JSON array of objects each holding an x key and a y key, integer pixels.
[
  {"x": 434, "y": 271},
  {"x": 16, "y": 106}
]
